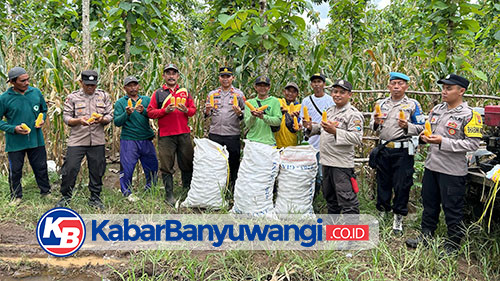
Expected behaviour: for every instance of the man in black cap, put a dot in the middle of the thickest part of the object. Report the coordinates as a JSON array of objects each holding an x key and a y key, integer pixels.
[
  {"x": 172, "y": 106},
  {"x": 226, "y": 115},
  {"x": 342, "y": 131},
  {"x": 86, "y": 112},
  {"x": 456, "y": 130},
  {"x": 22, "y": 104},
  {"x": 316, "y": 103}
]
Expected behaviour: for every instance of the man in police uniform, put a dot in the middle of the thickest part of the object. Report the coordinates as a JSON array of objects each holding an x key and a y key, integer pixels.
[
  {"x": 226, "y": 118},
  {"x": 395, "y": 164},
  {"x": 456, "y": 130},
  {"x": 339, "y": 135},
  {"x": 86, "y": 137}
]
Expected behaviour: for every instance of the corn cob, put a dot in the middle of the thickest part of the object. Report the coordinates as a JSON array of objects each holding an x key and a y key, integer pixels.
[
  {"x": 428, "y": 129},
  {"x": 306, "y": 114},
  {"x": 183, "y": 100},
  {"x": 25, "y": 127},
  {"x": 262, "y": 108},
  {"x": 212, "y": 101},
  {"x": 138, "y": 103},
  {"x": 177, "y": 101},
  {"x": 402, "y": 115},
  {"x": 323, "y": 117},
  {"x": 295, "y": 123},
  {"x": 378, "y": 110},
  {"x": 129, "y": 103},
  {"x": 252, "y": 108},
  {"x": 235, "y": 100},
  {"x": 39, "y": 120}
]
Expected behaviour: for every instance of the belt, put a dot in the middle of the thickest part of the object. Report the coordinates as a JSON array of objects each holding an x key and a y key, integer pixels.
[{"x": 395, "y": 144}]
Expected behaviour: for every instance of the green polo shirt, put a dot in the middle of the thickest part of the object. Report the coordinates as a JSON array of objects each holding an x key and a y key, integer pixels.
[
  {"x": 259, "y": 130},
  {"x": 22, "y": 108},
  {"x": 136, "y": 125}
]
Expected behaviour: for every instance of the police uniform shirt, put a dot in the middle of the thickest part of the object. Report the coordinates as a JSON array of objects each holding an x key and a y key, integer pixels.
[
  {"x": 389, "y": 128},
  {"x": 460, "y": 128},
  {"x": 338, "y": 150},
  {"x": 79, "y": 104}
]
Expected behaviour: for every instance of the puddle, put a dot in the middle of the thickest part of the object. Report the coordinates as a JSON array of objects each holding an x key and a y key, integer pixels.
[{"x": 65, "y": 262}]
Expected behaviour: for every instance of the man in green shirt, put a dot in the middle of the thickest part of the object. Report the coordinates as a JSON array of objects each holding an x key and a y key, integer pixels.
[
  {"x": 260, "y": 123},
  {"x": 135, "y": 139},
  {"x": 21, "y": 104}
]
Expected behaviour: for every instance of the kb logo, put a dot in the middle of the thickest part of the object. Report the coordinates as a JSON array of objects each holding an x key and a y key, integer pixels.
[{"x": 60, "y": 232}]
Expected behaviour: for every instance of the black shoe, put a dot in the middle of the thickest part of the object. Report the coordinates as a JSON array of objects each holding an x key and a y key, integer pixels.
[
  {"x": 422, "y": 239},
  {"x": 62, "y": 203},
  {"x": 96, "y": 203},
  {"x": 450, "y": 248}
]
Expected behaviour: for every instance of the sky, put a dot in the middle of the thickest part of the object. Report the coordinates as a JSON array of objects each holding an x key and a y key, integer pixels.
[{"x": 323, "y": 11}]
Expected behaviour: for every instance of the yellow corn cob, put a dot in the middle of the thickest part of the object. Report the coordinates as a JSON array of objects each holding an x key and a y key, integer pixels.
[
  {"x": 177, "y": 101},
  {"x": 402, "y": 115},
  {"x": 262, "y": 108},
  {"x": 252, "y": 108},
  {"x": 138, "y": 103},
  {"x": 91, "y": 119},
  {"x": 428, "y": 129},
  {"x": 96, "y": 115},
  {"x": 212, "y": 101},
  {"x": 183, "y": 100},
  {"x": 378, "y": 111},
  {"x": 291, "y": 108},
  {"x": 129, "y": 103},
  {"x": 172, "y": 101},
  {"x": 297, "y": 107},
  {"x": 39, "y": 120},
  {"x": 235, "y": 100},
  {"x": 306, "y": 114},
  {"x": 25, "y": 127},
  {"x": 323, "y": 116},
  {"x": 295, "y": 123}
]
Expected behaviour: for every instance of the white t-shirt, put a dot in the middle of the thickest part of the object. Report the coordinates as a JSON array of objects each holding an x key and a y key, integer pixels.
[{"x": 323, "y": 103}]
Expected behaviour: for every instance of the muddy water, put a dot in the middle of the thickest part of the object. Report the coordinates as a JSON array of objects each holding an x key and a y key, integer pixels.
[{"x": 60, "y": 265}]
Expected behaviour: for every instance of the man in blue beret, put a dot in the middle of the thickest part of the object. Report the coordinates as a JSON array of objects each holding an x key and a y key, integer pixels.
[{"x": 395, "y": 162}]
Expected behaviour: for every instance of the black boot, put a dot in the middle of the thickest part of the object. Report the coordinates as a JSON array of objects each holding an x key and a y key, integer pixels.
[
  {"x": 168, "y": 181},
  {"x": 186, "y": 179},
  {"x": 424, "y": 239},
  {"x": 95, "y": 201}
]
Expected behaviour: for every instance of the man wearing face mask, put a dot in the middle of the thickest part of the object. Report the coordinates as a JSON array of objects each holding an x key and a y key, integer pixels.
[
  {"x": 172, "y": 106},
  {"x": 395, "y": 162},
  {"x": 86, "y": 112}
]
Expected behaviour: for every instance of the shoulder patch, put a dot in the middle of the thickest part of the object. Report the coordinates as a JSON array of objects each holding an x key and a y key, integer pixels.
[{"x": 474, "y": 127}]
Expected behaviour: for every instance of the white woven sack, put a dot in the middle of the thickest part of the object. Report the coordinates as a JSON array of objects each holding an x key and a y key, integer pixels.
[
  {"x": 253, "y": 191},
  {"x": 210, "y": 171},
  {"x": 296, "y": 180}
]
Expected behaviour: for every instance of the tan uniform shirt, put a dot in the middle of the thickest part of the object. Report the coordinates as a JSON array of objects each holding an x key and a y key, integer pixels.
[
  {"x": 338, "y": 150},
  {"x": 461, "y": 133},
  {"x": 389, "y": 129},
  {"x": 77, "y": 105},
  {"x": 225, "y": 122}
]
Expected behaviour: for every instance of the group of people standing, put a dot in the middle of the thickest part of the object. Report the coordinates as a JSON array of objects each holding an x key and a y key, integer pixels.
[{"x": 328, "y": 122}]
